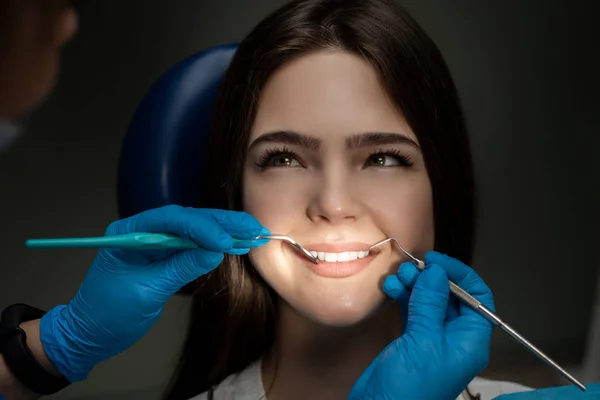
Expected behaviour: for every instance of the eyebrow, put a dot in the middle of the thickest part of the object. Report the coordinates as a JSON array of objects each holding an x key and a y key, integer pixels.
[{"x": 353, "y": 142}]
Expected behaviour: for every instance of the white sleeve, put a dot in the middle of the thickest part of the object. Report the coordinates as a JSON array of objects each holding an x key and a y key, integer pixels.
[
  {"x": 489, "y": 389},
  {"x": 201, "y": 396}
]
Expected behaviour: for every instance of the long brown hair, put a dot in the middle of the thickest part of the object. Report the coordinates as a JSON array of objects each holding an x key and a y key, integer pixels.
[{"x": 233, "y": 314}]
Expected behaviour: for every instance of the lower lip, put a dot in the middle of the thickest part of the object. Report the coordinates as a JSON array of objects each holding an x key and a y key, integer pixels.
[{"x": 338, "y": 269}]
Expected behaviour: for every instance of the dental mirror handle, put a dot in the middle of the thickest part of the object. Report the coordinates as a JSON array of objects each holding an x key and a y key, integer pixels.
[
  {"x": 134, "y": 241},
  {"x": 496, "y": 321}
]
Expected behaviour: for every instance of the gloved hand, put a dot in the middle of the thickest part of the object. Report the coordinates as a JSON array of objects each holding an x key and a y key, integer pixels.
[
  {"x": 125, "y": 291},
  {"x": 444, "y": 345}
]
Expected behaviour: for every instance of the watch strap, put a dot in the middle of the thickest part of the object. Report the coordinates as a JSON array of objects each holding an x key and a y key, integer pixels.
[{"x": 18, "y": 356}]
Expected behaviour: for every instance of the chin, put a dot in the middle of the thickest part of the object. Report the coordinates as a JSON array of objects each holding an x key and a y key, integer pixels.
[
  {"x": 344, "y": 311},
  {"x": 323, "y": 300}
]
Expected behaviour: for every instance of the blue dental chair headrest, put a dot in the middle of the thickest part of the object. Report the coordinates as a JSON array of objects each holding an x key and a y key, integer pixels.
[{"x": 164, "y": 149}]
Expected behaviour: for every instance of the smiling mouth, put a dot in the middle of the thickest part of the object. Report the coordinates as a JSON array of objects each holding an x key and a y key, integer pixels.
[
  {"x": 341, "y": 252},
  {"x": 344, "y": 256},
  {"x": 341, "y": 260}
]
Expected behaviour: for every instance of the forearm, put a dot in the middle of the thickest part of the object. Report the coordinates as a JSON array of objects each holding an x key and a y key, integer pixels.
[{"x": 10, "y": 387}]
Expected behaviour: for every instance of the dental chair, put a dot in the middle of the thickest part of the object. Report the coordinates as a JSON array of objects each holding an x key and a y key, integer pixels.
[{"x": 164, "y": 151}]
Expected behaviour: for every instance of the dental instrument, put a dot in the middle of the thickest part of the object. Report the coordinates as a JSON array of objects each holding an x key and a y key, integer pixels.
[
  {"x": 151, "y": 241},
  {"x": 162, "y": 241},
  {"x": 489, "y": 315},
  {"x": 291, "y": 241}
]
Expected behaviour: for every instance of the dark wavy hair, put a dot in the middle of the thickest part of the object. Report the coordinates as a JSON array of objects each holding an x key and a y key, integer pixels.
[{"x": 233, "y": 315}]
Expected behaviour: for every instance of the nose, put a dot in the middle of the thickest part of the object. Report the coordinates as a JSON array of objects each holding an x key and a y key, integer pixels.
[{"x": 335, "y": 201}]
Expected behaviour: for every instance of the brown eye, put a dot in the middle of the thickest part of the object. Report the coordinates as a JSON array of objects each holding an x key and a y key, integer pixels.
[
  {"x": 387, "y": 160},
  {"x": 283, "y": 160},
  {"x": 382, "y": 160},
  {"x": 376, "y": 161},
  {"x": 278, "y": 159}
]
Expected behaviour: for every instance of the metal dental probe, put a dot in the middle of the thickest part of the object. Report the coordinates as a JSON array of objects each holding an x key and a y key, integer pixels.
[{"x": 490, "y": 316}]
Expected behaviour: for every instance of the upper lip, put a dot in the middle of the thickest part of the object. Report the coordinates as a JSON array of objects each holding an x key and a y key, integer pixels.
[{"x": 338, "y": 247}]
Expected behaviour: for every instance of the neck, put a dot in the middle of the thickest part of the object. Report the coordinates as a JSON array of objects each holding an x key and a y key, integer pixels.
[{"x": 312, "y": 361}]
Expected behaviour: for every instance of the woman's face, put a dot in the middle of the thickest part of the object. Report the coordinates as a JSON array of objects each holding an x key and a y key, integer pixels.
[{"x": 333, "y": 164}]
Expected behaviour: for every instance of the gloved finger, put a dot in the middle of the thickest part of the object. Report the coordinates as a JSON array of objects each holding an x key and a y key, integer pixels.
[
  {"x": 238, "y": 252},
  {"x": 239, "y": 224},
  {"x": 187, "y": 266},
  {"x": 149, "y": 256},
  {"x": 394, "y": 288},
  {"x": 211, "y": 229},
  {"x": 399, "y": 287},
  {"x": 453, "y": 308},
  {"x": 463, "y": 276},
  {"x": 400, "y": 293},
  {"x": 113, "y": 257},
  {"x": 428, "y": 303},
  {"x": 408, "y": 274}
]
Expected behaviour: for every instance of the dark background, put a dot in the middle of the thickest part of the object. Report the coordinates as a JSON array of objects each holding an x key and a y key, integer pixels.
[{"x": 527, "y": 73}]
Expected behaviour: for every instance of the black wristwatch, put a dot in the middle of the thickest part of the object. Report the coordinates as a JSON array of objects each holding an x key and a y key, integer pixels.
[{"x": 19, "y": 358}]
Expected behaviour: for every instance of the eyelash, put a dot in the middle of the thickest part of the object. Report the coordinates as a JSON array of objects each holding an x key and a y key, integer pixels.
[
  {"x": 270, "y": 154},
  {"x": 404, "y": 160},
  {"x": 264, "y": 161}
]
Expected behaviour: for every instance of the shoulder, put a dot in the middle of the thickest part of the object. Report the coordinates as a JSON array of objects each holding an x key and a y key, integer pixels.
[
  {"x": 489, "y": 389},
  {"x": 246, "y": 385}
]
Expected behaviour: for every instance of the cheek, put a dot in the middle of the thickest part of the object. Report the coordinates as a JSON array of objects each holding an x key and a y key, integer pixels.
[
  {"x": 402, "y": 207},
  {"x": 277, "y": 200}
]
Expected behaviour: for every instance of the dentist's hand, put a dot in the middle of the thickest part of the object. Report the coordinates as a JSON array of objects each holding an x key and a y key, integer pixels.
[
  {"x": 445, "y": 344},
  {"x": 125, "y": 291}
]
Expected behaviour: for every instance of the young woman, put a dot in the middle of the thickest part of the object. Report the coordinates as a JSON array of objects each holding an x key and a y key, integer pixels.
[{"x": 339, "y": 125}]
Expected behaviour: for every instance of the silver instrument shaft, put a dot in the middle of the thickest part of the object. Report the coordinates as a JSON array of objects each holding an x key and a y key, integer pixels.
[{"x": 490, "y": 316}]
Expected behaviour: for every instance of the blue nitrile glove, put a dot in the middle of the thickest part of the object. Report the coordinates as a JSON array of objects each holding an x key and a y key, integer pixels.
[
  {"x": 444, "y": 345},
  {"x": 125, "y": 291}
]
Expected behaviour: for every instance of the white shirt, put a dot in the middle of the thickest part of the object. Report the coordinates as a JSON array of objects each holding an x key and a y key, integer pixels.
[{"x": 247, "y": 385}]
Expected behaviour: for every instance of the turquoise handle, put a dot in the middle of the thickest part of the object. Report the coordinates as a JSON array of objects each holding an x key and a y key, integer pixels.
[{"x": 134, "y": 241}]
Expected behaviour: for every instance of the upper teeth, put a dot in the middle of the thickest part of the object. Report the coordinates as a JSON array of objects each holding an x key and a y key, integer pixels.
[{"x": 339, "y": 257}]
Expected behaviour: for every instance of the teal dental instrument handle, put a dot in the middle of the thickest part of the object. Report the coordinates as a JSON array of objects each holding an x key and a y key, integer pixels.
[{"x": 134, "y": 241}]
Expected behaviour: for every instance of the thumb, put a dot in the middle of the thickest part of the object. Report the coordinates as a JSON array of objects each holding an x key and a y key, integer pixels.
[{"x": 428, "y": 302}]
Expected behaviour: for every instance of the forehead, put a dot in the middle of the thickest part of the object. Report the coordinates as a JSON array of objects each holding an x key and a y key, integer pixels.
[{"x": 327, "y": 94}]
